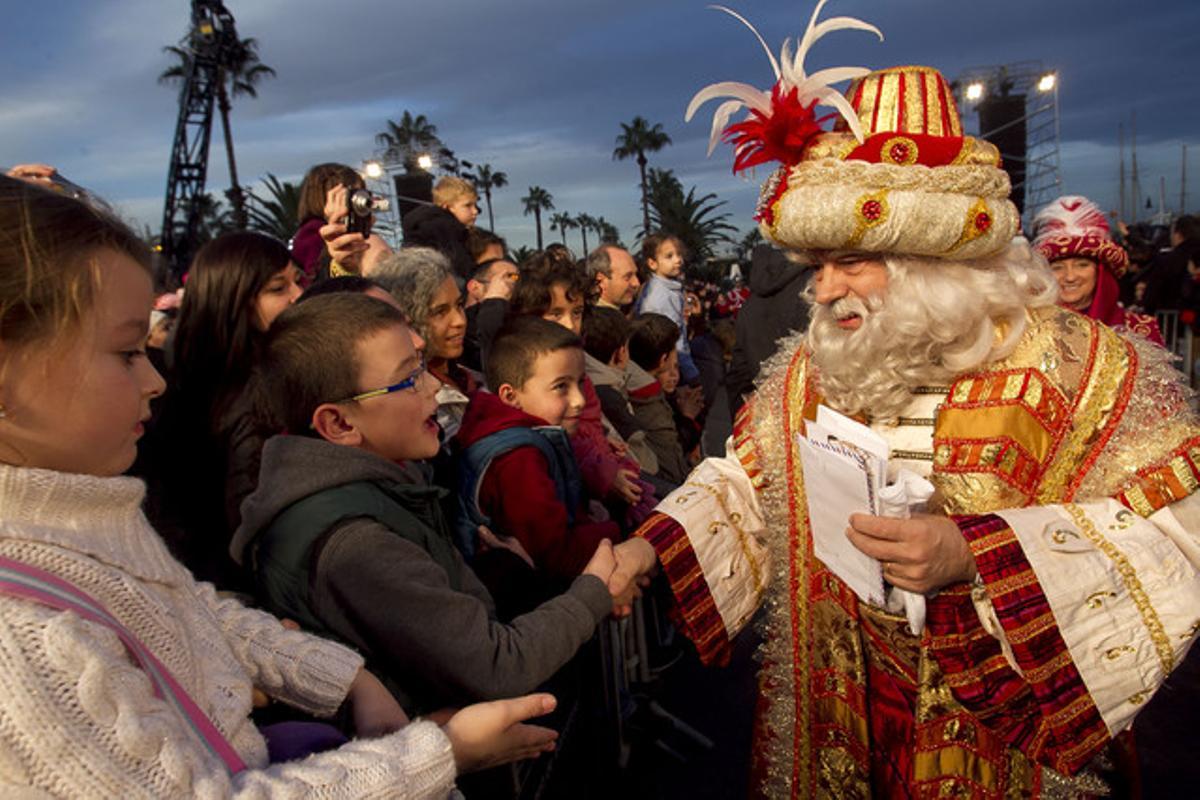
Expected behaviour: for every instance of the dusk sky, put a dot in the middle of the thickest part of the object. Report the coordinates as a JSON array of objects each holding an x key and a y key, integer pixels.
[{"x": 538, "y": 88}]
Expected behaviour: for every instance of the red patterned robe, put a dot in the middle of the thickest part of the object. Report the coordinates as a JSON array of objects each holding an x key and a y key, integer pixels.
[{"x": 1070, "y": 467}]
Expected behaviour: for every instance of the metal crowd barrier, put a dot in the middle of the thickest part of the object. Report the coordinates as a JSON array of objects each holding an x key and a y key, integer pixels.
[{"x": 1179, "y": 339}]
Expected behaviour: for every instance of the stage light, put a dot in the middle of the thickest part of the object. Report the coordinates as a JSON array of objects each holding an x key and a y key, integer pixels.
[
  {"x": 425, "y": 161},
  {"x": 975, "y": 91},
  {"x": 373, "y": 169},
  {"x": 1046, "y": 84}
]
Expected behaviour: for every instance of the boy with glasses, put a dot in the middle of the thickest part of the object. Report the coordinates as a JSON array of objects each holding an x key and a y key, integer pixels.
[{"x": 344, "y": 535}]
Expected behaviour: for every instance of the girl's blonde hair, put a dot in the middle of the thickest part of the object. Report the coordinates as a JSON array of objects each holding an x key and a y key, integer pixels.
[{"x": 48, "y": 273}]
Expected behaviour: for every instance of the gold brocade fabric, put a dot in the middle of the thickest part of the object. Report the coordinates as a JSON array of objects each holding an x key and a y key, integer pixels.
[{"x": 1075, "y": 412}]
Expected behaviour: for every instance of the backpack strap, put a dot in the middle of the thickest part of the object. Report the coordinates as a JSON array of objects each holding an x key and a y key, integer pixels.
[{"x": 19, "y": 579}]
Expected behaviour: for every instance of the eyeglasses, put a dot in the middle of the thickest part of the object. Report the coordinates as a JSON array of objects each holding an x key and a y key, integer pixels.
[{"x": 408, "y": 383}]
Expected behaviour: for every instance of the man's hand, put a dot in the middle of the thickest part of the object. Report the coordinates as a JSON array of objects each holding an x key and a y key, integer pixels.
[
  {"x": 921, "y": 554},
  {"x": 625, "y": 485},
  {"x": 498, "y": 288},
  {"x": 487, "y": 734},
  {"x": 374, "y": 709}
]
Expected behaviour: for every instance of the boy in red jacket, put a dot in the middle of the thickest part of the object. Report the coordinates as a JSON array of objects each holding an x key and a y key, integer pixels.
[{"x": 517, "y": 471}]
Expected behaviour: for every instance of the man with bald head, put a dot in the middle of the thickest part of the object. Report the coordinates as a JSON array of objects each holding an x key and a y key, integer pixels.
[{"x": 614, "y": 274}]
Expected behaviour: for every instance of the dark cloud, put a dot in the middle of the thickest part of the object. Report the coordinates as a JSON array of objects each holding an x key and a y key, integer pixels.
[{"x": 538, "y": 88}]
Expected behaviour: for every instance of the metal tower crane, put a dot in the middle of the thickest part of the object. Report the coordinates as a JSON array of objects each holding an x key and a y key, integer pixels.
[{"x": 211, "y": 39}]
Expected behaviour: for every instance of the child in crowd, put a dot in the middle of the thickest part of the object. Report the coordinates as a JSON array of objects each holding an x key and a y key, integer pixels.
[
  {"x": 663, "y": 293},
  {"x": 488, "y": 292},
  {"x": 122, "y": 675},
  {"x": 553, "y": 287},
  {"x": 652, "y": 347},
  {"x": 201, "y": 457},
  {"x": 606, "y": 342},
  {"x": 445, "y": 225},
  {"x": 345, "y": 536},
  {"x": 517, "y": 471}
]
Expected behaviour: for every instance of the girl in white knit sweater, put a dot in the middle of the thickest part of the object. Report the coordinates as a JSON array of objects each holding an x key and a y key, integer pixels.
[{"x": 79, "y": 717}]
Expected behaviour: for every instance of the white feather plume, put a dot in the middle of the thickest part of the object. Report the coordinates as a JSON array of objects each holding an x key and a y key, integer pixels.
[{"x": 789, "y": 74}]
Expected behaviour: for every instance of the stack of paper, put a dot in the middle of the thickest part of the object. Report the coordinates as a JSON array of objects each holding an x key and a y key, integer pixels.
[{"x": 845, "y": 466}]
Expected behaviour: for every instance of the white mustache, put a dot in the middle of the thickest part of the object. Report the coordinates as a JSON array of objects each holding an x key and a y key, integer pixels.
[{"x": 849, "y": 306}]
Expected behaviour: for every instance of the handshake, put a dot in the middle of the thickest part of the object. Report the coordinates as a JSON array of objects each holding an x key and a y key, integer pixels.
[{"x": 626, "y": 569}]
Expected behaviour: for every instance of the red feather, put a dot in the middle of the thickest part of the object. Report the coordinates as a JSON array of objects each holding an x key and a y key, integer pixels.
[{"x": 780, "y": 136}]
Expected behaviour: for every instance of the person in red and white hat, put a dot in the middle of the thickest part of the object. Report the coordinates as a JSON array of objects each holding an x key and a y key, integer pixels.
[
  {"x": 1052, "y": 583},
  {"x": 1073, "y": 235}
]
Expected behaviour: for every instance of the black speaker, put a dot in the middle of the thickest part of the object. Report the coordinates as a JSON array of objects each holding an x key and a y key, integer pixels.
[
  {"x": 413, "y": 189},
  {"x": 1001, "y": 120}
]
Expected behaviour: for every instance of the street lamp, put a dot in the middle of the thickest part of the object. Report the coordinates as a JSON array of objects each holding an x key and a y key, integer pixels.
[
  {"x": 975, "y": 91},
  {"x": 1047, "y": 82}
]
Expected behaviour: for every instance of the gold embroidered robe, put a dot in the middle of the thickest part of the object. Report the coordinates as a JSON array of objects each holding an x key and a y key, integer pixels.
[{"x": 1071, "y": 466}]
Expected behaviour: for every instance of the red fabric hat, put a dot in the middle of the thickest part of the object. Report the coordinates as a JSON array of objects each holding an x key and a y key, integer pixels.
[{"x": 1074, "y": 226}]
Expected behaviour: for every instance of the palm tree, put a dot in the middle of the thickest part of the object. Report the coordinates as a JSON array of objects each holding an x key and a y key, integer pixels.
[
  {"x": 521, "y": 254},
  {"x": 748, "y": 242},
  {"x": 607, "y": 232},
  {"x": 486, "y": 180},
  {"x": 638, "y": 138},
  {"x": 562, "y": 222},
  {"x": 237, "y": 77},
  {"x": 537, "y": 201},
  {"x": 697, "y": 221},
  {"x": 276, "y": 213},
  {"x": 586, "y": 222},
  {"x": 405, "y": 141}
]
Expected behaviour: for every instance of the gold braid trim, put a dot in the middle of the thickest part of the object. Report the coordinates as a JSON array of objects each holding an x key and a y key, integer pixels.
[
  {"x": 742, "y": 537},
  {"x": 972, "y": 180},
  {"x": 1158, "y": 634}
]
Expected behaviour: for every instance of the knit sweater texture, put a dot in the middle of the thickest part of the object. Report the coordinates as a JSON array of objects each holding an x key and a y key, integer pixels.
[{"x": 78, "y": 717}]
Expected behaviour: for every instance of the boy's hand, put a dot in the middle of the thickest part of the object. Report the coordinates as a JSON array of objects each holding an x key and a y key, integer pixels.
[
  {"x": 487, "y": 734},
  {"x": 625, "y": 485},
  {"x": 636, "y": 560},
  {"x": 374, "y": 709},
  {"x": 490, "y": 541},
  {"x": 690, "y": 400},
  {"x": 603, "y": 562}
]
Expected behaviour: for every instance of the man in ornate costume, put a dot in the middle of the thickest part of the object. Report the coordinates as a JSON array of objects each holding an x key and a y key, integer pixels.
[{"x": 1059, "y": 558}]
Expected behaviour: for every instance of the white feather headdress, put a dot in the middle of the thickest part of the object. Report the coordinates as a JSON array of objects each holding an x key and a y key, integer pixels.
[{"x": 781, "y": 121}]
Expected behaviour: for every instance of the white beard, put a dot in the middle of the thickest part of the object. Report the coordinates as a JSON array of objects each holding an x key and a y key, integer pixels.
[{"x": 936, "y": 320}]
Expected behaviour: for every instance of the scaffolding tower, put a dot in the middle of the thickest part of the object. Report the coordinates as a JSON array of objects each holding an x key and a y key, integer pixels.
[{"x": 1037, "y": 167}]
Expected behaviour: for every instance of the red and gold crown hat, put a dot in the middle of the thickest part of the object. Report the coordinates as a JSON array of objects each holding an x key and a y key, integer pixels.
[
  {"x": 1074, "y": 226},
  {"x": 894, "y": 175}
]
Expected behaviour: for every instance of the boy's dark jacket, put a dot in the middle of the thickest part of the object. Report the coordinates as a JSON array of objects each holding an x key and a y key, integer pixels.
[
  {"x": 434, "y": 226},
  {"x": 518, "y": 493},
  {"x": 391, "y": 593}
]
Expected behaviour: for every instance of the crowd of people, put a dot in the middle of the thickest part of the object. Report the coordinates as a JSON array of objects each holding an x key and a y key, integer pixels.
[{"x": 332, "y": 518}]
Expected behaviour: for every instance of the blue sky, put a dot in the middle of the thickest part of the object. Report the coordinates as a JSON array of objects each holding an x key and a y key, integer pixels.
[{"x": 538, "y": 88}]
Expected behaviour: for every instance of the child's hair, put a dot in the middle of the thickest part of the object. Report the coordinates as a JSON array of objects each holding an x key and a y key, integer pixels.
[
  {"x": 451, "y": 188},
  {"x": 605, "y": 330},
  {"x": 342, "y": 283},
  {"x": 531, "y": 296},
  {"x": 518, "y": 346},
  {"x": 311, "y": 354},
  {"x": 653, "y": 337},
  {"x": 317, "y": 183},
  {"x": 654, "y": 241},
  {"x": 412, "y": 275},
  {"x": 216, "y": 339},
  {"x": 480, "y": 239},
  {"x": 48, "y": 278}
]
